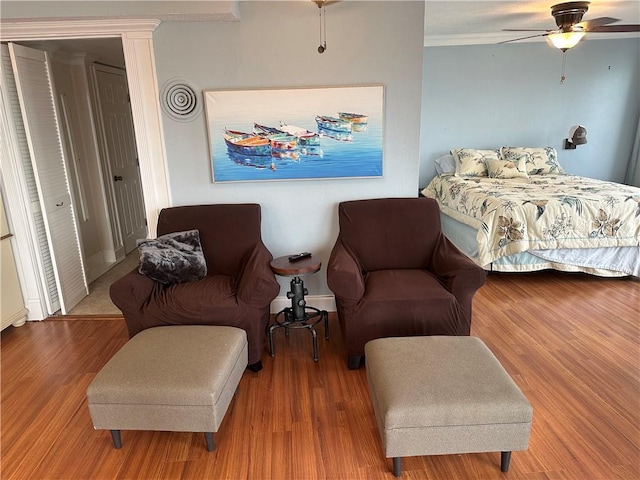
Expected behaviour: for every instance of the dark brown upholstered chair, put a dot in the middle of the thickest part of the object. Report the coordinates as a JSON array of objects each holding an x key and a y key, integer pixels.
[
  {"x": 237, "y": 290},
  {"x": 394, "y": 273}
]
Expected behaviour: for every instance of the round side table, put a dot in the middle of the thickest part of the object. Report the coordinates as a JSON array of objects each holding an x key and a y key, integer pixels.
[{"x": 299, "y": 314}]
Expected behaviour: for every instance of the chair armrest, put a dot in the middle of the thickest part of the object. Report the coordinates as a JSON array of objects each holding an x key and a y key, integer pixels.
[
  {"x": 344, "y": 276},
  {"x": 130, "y": 292},
  {"x": 257, "y": 285},
  {"x": 457, "y": 272}
]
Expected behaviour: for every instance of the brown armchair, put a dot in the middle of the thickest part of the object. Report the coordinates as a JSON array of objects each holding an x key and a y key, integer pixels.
[
  {"x": 394, "y": 273},
  {"x": 237, "y": 290}
]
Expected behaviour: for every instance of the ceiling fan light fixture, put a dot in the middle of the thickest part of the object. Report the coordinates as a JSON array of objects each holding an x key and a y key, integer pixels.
[{"x": 565, "y": 40}]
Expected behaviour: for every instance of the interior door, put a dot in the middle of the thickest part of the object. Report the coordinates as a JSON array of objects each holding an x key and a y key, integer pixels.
[
  {"x": 32, "y": 73},
  {"x": 117, "y": 125}
]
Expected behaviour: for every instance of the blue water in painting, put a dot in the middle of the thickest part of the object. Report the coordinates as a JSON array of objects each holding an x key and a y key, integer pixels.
[{"x": 361, "y": 157}]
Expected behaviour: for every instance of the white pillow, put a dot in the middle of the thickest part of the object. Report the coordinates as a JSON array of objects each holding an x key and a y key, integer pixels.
[{"x": 445, "y": 165}]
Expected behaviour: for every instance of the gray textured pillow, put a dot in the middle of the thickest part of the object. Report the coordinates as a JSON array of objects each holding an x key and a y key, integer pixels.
[{"x": 172, "y": 258}]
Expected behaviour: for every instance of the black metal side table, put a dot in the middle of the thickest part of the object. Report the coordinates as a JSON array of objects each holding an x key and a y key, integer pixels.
[{"x": 299, "y": 314}]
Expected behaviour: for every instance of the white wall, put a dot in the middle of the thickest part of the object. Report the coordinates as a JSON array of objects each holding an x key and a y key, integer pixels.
[
  {"x": 487, "y": 96},
  {"x": 274, "y": 45}
]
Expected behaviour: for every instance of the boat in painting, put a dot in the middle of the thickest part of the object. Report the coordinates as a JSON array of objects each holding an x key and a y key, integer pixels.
[
  {"x": 336, "y": 135},
  {"x": 358, "y": 120},
  {"x": 283, "y": 144},
  {"x": 333, "y": 123},
  {"x": 353, "y": 117},
  {"x": 247, "y": 143},
  {"x": 306, "y": 138},
  {"x": 280, "y": 140}
]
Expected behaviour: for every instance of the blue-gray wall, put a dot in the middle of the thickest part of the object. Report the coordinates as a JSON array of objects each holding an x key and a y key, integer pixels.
[
  {"x": 275, "y": 46},
  {"x": 487, "y": 96}
]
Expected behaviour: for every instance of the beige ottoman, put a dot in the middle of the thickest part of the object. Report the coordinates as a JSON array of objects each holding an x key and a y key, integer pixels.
[
  {"x": 443, "y": 395},
  {"x": 174, "y": 378}
]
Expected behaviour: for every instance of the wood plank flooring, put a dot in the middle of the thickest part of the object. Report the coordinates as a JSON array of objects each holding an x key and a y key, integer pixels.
[{"x": 571, "y": 342}]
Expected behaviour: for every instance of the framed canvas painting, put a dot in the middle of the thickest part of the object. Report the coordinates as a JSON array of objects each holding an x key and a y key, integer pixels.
[{"x": 295, "y": 133}]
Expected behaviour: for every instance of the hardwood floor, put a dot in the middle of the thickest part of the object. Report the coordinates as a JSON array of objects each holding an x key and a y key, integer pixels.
[{"x": 571, "y": 342}]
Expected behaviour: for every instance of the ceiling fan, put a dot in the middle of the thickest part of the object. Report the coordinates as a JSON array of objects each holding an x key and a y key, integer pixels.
[{"x": 571, "y": 28}]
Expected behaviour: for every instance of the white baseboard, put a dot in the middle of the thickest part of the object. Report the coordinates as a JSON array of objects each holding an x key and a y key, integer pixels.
[{"x": 321, "y": 302}]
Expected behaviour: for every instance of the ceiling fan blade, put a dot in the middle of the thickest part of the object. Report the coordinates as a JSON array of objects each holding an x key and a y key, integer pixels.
[
  {"x": 614, "y": 29},
  {"x": 525, "y": 30},
  {"x": 597, "y": 22},
  {"x": 523, "y": 38}
]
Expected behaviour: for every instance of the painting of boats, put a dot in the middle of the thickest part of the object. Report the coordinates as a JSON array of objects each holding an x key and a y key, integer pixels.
[{"x": 297, "y": 133}]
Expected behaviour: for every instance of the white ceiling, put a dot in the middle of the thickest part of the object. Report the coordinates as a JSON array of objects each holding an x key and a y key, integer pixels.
[
  {"x": 451, "y": 22},
  {"x": 456, "y": 22}
]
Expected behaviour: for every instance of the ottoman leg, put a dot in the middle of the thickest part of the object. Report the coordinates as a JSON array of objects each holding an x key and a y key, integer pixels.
[
  {"x": 397, "y": 466},
  {"x": 209, "y": 438},
  {"x": 115, "y": 436},
  {"x": 354, "y": 362},
  {"x": 505, "y": 458}
]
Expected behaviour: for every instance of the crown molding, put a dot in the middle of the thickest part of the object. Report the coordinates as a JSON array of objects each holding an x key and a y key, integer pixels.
[{"x": 85, "y": 28}]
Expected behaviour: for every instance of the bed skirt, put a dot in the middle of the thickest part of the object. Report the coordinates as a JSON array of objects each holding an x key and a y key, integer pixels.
[{"x": 603, "y": 262}]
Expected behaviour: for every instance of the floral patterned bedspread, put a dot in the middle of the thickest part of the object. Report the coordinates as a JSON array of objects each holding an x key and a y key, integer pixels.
[{"x": 540, "y": 212}]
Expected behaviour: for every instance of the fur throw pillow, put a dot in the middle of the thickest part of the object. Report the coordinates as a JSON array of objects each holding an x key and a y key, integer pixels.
[{"x": 172, "y": 258}]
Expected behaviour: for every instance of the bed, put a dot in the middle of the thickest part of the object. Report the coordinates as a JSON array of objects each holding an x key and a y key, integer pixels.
[{"x": 511, "y": 212}]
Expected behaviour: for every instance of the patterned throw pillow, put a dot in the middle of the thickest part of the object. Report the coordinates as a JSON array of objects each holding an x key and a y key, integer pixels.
[
  {"x": 173, "y": 258},
  {"x": 540, "y": 161},
  {"x": 471, "y": 162},
  {"x": 508, "y": 168}
]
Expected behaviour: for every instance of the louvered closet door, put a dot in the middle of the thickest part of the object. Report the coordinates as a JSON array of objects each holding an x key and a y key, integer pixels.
[
  {"x": 45, "y": 266},
  {"x": 35, "y": 91}
]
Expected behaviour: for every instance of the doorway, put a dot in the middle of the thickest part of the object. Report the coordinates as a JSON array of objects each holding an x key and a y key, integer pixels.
[
  {"x": 91, "y": 122},
  {"x": 137, "y": 45},
  {"x": 34, "y": 295}
]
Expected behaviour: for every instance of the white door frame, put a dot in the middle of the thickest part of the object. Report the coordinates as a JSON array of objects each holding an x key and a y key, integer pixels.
[{"x": 137, "y": 44}]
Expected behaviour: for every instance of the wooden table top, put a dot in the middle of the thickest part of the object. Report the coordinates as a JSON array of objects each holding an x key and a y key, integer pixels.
[{"x": 282, "y": 266}]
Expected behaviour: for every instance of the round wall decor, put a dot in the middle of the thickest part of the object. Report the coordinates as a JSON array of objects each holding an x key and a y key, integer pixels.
[{"x": 180, "y": 101}]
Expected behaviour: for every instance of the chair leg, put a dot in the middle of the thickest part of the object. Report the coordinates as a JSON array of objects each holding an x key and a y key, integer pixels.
[
  {"x": 505, "y": 459},
  {"x": 354, "y": 362},
  {"x": 397, "y": 466},
  {"x": 117, "y": 440},
  {"x": 255, "y": 367},
  {"x": 208, "y": 436}
]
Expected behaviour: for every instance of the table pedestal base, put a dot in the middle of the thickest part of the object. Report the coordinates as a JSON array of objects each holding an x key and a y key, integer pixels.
[{"x": 299, "y": 315}]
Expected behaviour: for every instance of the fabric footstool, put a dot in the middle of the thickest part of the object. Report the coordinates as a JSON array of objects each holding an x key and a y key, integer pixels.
[
  {"x": 443, "y": 395},
  {"x": 174, "y": 378}
]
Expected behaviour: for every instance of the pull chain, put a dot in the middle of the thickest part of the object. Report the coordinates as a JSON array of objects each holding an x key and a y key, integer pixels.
[
  {"x": 323, "y": 27},
  {"x": 564, "y": 61}
]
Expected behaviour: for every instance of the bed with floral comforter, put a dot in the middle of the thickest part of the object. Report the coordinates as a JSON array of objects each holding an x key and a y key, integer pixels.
[{"x": 543, "y": 214}]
